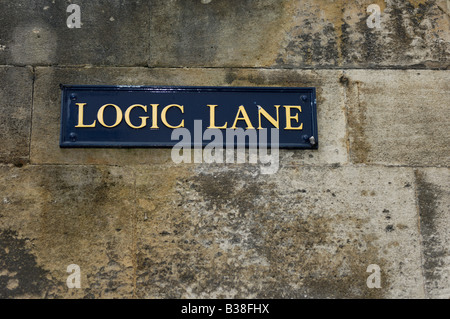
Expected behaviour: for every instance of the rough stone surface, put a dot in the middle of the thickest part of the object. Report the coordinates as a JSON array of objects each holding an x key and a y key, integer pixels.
[
  {"x": 287, "y": 33},
  {"x": 55, "y": 216},
  {"x": 111, "y": 33},
  {"x": 303, "y": 233},
  {"x": 47, "y": 101},
  {"x": 433, "y": 189},
  {"x": 335, "y": 33},
  {"x": 233, "y": 33},
  {"x": 220, "y": 33},
  {"x": 174, "y": 231},
  {"x": 15, "y": 119},
  {"x": 399, "y": 117}
]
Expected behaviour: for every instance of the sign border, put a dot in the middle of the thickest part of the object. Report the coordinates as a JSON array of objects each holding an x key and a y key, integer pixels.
[{"x": 66, "y": 143}]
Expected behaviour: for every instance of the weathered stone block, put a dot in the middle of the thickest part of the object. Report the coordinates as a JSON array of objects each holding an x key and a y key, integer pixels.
[
  {"x": 433, "y": 193},
  {"x": 46, "y": 117},
  {"x": 55, "y": 216},
  {"x": 15, "y": 121},
  {"x": 399, "y": 117},
  {"x": 336, "y": 33},
  {"x": 293, "y": 34},
  {"x": 111, "y": 33},
  {"x": 236, "y": 33},
  {"x": 220, "y": 33},
  {"x": 230, "y": 232}
]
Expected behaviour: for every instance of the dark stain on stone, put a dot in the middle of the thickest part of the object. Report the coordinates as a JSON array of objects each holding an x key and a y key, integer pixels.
[
  {"x": 419, "y": 13},
  {"x": 20, "y": 163},
  {"x": 20, "y": 274},
  {"x": 314, "y": 48},
  {"x": 399, "y": 27},
  {"x": 157, "y": 273},
  {"x": 202, "y": 24},
  {"x": 197, "y": 33},
  {"x": 372, "y": 49},
  {"x": 330, "y": 52},
  {"x": 316, "y": 52},
  {"x": 343, "y": 277},
  {"x": 230, "y": 76},
  {"x": 109, "y": 278},
  {"x": 336, "y": 44},
  {"x": 434, "y": 250},
  {"x": 244, "y": 235},
  {"x": 80, "y": 203},
  {"x": 344, "y": 80},
  {"x": 357, "y": 121},
  {"x": 15, "y": 103},
  {"x": 345, "y": 45},
  {"x": 405, "y": 13},
  {"x": 70, "y": 202},
  {"x": 221, "y": 189}
]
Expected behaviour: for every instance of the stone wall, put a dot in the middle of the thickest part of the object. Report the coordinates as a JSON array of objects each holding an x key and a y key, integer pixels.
[{"x": 139, "y": 226}]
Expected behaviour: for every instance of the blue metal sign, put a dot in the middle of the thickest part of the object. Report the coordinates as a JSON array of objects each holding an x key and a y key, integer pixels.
[{"x": 146, "y": 116}]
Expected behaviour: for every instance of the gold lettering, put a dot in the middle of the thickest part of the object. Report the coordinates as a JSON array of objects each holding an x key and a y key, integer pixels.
[
  {"x": 155, "y": 115},
  {"x": 268, "y": 117},
  {"x": 119, "y": 115},
  {"x": 244, "y": 118},
  {"x": 81, "y": 115},
  {"x": 289, "y": 117},
  {"x": 143, "y": 118},
  {"x": 212, "y": 118},
  {"x": 164, "y": 119}
]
